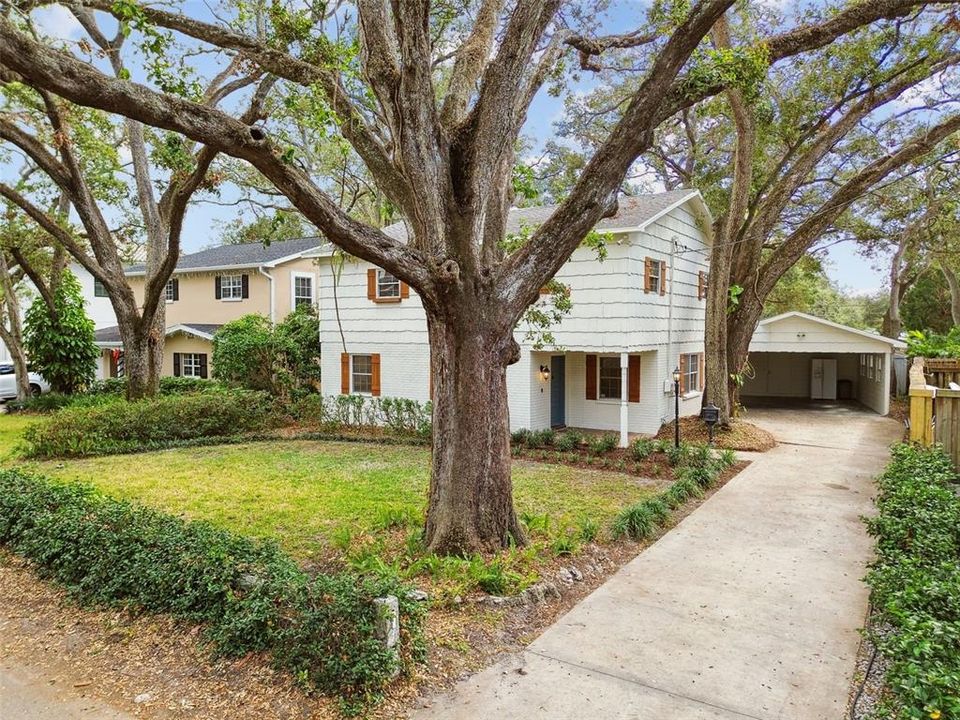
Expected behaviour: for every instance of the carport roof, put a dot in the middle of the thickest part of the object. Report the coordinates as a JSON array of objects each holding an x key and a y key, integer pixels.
[{"x": 896, "y": 344}]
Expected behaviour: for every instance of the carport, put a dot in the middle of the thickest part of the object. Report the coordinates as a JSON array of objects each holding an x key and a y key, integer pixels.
[{"x": 795, "y": 356}]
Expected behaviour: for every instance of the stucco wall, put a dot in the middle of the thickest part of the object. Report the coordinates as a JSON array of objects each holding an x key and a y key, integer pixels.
[{"x": 182, "y": 343}]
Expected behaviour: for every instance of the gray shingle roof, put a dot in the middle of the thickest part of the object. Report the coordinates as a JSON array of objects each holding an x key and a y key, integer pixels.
[
  {"x": 111, "y": 335},
  {"x": 633, "y": 211},
  {"x": 245, "y": 255}
]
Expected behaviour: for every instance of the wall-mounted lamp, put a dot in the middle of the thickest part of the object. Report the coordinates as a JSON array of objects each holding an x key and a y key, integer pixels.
[{"x": 545, "y": 372}]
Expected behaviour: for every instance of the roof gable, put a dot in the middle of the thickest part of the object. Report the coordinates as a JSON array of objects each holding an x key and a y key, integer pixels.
[{"x": 817, "y": 322}]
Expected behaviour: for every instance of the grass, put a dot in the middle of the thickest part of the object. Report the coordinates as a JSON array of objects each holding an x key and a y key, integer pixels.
[{"x": 11, "y": 431}]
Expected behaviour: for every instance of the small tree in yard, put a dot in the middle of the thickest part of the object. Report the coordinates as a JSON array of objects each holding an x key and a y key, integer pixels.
[
  {"x": 61, "y": 344},
  {"x": 298, "y": 339},
  {"x": 433, "y": 97}
]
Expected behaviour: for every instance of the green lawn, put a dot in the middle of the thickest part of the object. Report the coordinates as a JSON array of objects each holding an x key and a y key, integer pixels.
[
  {"x": 303, "y": 493},
  {"x": 11, "y": 431}
]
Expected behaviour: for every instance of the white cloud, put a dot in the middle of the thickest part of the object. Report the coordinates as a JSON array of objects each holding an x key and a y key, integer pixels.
[{"x": 56, "y": 21}]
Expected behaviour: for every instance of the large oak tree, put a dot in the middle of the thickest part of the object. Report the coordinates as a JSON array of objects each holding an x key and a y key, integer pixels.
[{"x": 434, "y": 109}]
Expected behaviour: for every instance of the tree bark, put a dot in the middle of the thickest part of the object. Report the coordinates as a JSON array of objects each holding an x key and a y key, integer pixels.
[
  {"x": 11, "y": 329},
  {"x": 954, "y": 286},
  {"x": 471, "y": 490}
]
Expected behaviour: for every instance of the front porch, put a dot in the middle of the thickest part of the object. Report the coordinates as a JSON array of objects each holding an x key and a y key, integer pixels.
[{"x": 630, "y": 393}]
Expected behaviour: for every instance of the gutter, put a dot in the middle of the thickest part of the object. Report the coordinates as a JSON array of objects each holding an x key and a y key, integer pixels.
[{"x": 269, "y": 277}]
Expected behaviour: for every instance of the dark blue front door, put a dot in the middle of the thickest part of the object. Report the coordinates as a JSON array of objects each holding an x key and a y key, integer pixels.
[{"x": 558, "y": 385}]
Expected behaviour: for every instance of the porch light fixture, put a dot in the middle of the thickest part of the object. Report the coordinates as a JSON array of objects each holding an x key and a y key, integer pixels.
[
  {"x": 676, "y": 408},
  {"x": 545, "y": 372}
]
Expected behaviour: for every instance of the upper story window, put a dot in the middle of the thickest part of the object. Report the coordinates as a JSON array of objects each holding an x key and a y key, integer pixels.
[
  {"x": 172, "y": 290},
  {"x": 609, "y": 384},
  {"x": 387, "y": 285},
  {"x": 232, "y": 287},
  {"x": 302, "y": 290},
  {"x": 654, "y": 276},
  {"x": 99, "y": 289}
]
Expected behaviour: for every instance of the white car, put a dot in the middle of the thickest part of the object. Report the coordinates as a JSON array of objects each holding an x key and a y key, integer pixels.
[{"x": 8, "y": 383}]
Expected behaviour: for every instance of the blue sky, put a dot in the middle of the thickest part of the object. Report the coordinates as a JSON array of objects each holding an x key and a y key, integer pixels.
[{"x": 203, "y": 221}]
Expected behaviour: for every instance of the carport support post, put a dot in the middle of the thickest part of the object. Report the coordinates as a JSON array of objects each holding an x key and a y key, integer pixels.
[{"x": 624, "y": 408}]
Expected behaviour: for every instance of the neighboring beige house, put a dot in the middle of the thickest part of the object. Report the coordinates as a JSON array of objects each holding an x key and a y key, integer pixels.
[{"x": 213, "y": 287}]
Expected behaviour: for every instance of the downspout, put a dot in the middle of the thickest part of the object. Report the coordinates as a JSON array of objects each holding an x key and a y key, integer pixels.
[
  {"x": 670, "y": 359},
  {"x": 273, "y": 301}
]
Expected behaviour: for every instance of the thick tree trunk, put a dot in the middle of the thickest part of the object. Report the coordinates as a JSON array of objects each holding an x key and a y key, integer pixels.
[
  {"x": 142, "y": 357},
  {"x": 954, "y": 286},
  {"x": 20, "y": 369},
  {"x": 740, "y": 328},
  {"x": 891, "y": 319},
  {"x": 715, "y": 332},
  {"x": 471, "y": 491}
]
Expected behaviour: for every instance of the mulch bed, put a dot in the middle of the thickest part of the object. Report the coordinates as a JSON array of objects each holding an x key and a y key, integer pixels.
[{"x": 740, "y": 436}]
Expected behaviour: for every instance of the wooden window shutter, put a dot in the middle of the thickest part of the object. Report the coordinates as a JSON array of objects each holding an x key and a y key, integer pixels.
[
  {"x": 633, "y": 379},
  {"x": 176, "y": 364},
  {"x": 375, "y": 374},
  {"x": 244, "y": 286},
  {"x": 404, "y": 290},
  {"x": 683, "y": 374},
  {"x": 176, "y": 289},
  {"x": 344, "y": 374},
  {"x": 647, "y": 274},
  {"x": 591, "y": 377},
  {"x": 663, "y": 277},
  {"x": 701, "y": 373},
  {"x": 372, "y": 284},
  {"x": 217, "y": 292},
  {"x": 203, "y": 365}
]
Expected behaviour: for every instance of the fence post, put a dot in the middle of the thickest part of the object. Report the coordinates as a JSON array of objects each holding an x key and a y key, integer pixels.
[{"x": 921, "y": 405}]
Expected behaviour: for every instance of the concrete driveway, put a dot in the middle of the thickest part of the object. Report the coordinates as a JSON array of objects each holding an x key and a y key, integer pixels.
[{"x": 749, "y": 608}]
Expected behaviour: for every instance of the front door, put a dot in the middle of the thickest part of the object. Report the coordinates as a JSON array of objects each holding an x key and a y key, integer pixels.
[
  {"x": 558, "y": 386},
  {"x": 823, "y": 379}
]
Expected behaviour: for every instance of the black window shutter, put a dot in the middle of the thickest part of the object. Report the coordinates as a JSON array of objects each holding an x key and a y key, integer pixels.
[
  {"x": 176, "y": 289},
  {"x": 244, "y": 286},
  {"x": 203, "y": 365},
  {"x": 176, "y": 364},
  {"x": 216, "y": 288}
]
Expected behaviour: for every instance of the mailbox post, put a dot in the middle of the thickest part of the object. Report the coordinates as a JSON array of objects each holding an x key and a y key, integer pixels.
[{"x": 711, "y": 416}]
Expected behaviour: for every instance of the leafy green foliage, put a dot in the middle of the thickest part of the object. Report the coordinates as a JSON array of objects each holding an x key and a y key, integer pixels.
[
  {"x": 402, "y": 416},
  {"x": 251, "y": 352},
  {"x": 568, "y": 441},
  {"x": 642, "y": 448},
  {"x": 926, "y": 305},
  {"x": 61, "y": 347},
  {"x": 600, "y": 444},
  {"x": 932, "y": 345},
  {"x": 250, "y": 596},
  {"x": 915, "y": 584},
  {"x": 121, "y": 426}
]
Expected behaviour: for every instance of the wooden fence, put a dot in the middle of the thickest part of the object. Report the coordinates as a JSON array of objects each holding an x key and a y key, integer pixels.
[{"x": 934, "y": 407}]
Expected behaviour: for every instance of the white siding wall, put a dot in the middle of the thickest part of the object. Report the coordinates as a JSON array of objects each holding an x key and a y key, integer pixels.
[
  {"x": 610, "y": 313},
  {"x": 875, "y": 392}
]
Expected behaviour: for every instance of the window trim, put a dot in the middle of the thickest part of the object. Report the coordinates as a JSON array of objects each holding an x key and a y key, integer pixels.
[
  {"x": 689, "y": 392},
  {"x": 169, "y": 294},
  {"x": 353, "y": 390},
  {"x": 294, "y": 276},
  {"x": 223, "y": 287},
  {"x": 193, "y": 356},
  {"x": 600, "y": 396},
  {"x": 98, "y": 284},
  {"x": 387, "y": 298},
  {"x": 655, "y": 280}
]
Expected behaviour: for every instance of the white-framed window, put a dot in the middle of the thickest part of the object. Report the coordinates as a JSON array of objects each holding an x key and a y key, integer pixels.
[
  {"x": 609, "y": 383},
  {"x": 388, "y": 286},
  {"x": 870, "y": 367},
  {"x": 301, "y": 289},
  {"x": 690, "y": 367},
  {"x": 170, "y": 291},
  {"x": 191, "y": 364},
  {"x": 863, "y": 364},
  {"x": 655, "y": 278},
  {"x": 99, "y": 289},
  {"x": 361, "y": 374},
  {"x": 231, "y": 287},
  {"x": 879, "y": 369}
]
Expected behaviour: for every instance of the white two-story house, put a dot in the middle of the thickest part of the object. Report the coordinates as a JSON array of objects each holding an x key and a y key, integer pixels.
[{"x": 636, "y": 316}]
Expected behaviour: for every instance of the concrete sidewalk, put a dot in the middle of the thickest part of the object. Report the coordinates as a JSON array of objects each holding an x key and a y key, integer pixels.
[
  {"x": 748, "y": 609},
  {"x": 25, "y": 695}
]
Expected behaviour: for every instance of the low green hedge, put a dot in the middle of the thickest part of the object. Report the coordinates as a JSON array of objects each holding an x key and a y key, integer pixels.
[
  {"x": 250, "y": 595},
  {"x": 117, "y": 427},
  {"x": 915, "y": 584}
]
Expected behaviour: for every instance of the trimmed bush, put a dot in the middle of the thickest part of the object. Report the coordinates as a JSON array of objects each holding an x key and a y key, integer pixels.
[
  {"x": 250, "y": 595},
  {"x": 915, "y": 584},
  {"x": 642, "y": 448},
  {"x": 398, "y": 415},
  {"x": 118, "y": 427},
  {"x": 568, "y": 441}
]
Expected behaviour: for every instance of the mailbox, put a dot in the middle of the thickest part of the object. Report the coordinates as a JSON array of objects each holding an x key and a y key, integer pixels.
[{"x": 710, "y": 415}]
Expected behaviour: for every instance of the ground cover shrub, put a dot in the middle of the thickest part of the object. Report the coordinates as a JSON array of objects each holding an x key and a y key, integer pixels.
[
  {"x": 568, "y": 441},
  {"x": 642, "y": 448},
  {"x": 600, "y": 444},
  {"x": 250, "y": 596},
  {"x": 121, "y": 426},
  {"x": 915, "y": 584},
  {"x": 400, "y": 416},
  {"x": 539, "y": 438}
]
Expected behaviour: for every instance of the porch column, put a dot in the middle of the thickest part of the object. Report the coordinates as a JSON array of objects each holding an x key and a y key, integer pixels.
[{"x": 624, "y": 408}]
